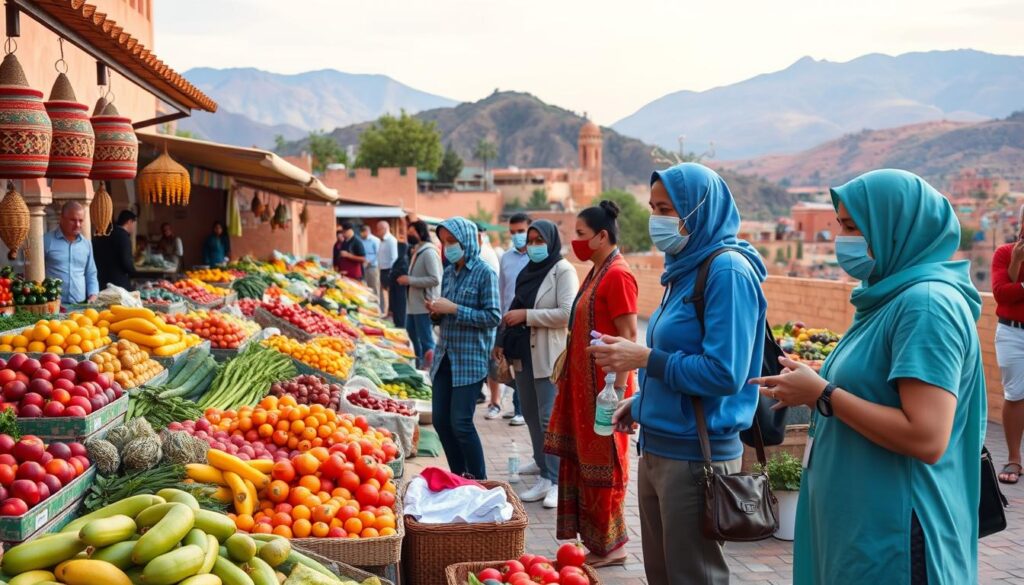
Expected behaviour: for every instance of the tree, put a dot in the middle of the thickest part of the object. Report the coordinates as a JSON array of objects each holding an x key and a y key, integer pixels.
[
  {"x": 633, "y": 232},
  {"x": 481, "y": 215},
  {"x": 514, "y": 204},
  {"x": 485, "y": 152},
  {"x": 538, "y": 199},
  {"x": 451, "y": 166},
  {"x": 404, "y": 141},
  {"x": 325, "y": 151},
  {"x": 279, "y": 143}
]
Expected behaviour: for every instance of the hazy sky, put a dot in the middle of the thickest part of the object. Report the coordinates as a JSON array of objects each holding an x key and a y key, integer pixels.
[{"x": 608, "y": 58}]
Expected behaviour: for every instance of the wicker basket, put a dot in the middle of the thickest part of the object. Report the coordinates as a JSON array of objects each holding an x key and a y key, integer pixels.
[
  {"x": 458, "y": 574},
  {"x": 430, "y": 548},
  {"x": 338, "y": 568},
  {"x": 49, "y": 308}
]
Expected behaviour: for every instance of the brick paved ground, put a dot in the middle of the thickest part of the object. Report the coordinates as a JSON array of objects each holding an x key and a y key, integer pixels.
[{"x": 1001, "y": 556}]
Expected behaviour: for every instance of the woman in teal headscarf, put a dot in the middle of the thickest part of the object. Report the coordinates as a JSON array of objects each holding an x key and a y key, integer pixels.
[{"x": 891, "y": 481}]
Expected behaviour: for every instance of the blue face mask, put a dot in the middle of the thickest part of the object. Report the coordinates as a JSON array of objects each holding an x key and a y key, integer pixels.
[
  {"x": 852, "y": 254},
  {"x": 664, "y": 230},
  {"x": 453, "y": 253},
  {"x": 538, "y": 253},
  {"x": 519, "y": 241}
]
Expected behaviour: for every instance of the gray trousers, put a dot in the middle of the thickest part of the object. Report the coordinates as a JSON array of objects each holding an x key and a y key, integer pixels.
[
  {"x": 671, "y": 506},
  {"x": 536, "y": 399},
  {"x": 372, "y": 276}
]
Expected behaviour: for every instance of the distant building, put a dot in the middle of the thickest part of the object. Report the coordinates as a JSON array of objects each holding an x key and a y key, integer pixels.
[
  {"x": 815, "y": 221},
  {"x": 969, "y": 184}
]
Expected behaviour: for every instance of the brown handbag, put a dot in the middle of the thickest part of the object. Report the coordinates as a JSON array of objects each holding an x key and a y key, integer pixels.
[{"x": 738, "y": 507}]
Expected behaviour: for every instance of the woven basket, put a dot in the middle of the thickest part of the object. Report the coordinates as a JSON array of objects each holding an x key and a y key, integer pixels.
[
  {"x": 117, "y": 149},
  {"x": 25, "y": 129},
  {"x": 74, "y": 142},
  {"x": 14, "y": 220},
  {"x": 164, "y": 181},
  {"x": 458, "y": 574},
  {"x": 50, "y": 308},
  {"x": 101, "y": 212},
  {"x": 430, "y": 548},
  {"x": 338, "y": 568},
  {"x": 359, "y": 552}
]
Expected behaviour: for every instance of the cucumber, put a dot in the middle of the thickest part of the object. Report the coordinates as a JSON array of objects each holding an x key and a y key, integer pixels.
[
  {"x": 196, "y": 537},
  {"x": 275, "y": 552},
  {"x": 153, "y": 514},
  {"x": 165, "y": 534},
  {"x": 41, "y": 554},
  {"x": 130, "y": 506},
  {"x": 118, "y": 554},
  {"x": 32, "y": 577},
  {"x": 260, "y": 572},
  {"x": 107, "y": 531},
  {"x": 241, "y": 547},
  {"x": 174, "y": 566},
  {"x": 179, "y": 496},
  {"x": 230, "y": 574},
  {"x": 212, "y": 554},
  {"x": 202, "y": 580},
  {"x": 219, "y": 525}
]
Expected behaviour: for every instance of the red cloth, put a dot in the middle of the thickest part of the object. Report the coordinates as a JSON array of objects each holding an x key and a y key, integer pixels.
[
  {"x": 440, "y": 480},
  {"x": 1009, "y": 294}
]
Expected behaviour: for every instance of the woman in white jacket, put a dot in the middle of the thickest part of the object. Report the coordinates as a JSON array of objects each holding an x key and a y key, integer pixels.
[{"x": 533, "y": 336}]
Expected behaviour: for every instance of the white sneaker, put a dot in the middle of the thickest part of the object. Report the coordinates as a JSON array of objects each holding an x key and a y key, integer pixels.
[
  {"x": 517, "y": 421},
  {"x": 493, "y": 412},
  {"x": 529, "y": 469},
  {"x": 538, "y": 492},
  {"x": 551, "y": 499}
]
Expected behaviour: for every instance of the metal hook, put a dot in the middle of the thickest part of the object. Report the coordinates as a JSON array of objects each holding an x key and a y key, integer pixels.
[
  {"x": 7, "y": 46},
  {"x": 61, "y": 61}
]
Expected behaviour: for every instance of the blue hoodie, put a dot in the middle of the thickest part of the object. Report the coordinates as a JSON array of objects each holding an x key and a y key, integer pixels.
[{"x": 685, "y": 363}]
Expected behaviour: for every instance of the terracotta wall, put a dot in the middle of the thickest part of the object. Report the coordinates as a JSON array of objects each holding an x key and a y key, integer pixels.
[
  {"x": 446, "y": 204},
  {"x": 390, "y": 186}
]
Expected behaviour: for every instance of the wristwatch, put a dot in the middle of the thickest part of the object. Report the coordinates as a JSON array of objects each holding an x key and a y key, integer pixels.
[{"x": 825, "y": 400}]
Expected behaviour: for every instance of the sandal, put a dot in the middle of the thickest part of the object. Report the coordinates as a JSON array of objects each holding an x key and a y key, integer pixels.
[
  {"x": 597, "y": 562},
  {"x": 1010, "y": 473}
]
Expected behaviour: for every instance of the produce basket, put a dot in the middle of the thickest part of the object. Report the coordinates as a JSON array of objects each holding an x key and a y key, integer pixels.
[
  {"x": 304, "y": 368},
  {"x": 169, "y": 360},
  {"x": 56, "y": 523},
  {"x": 403, "y": 427},
  {"x": 73, "y": 428},
  {"x": 267, "y": 319},
  {"x": 359, "y": 552},
  {"x": 458, "y": 574},
  {"x": 338, "y": 568},
  {"x": 429, "y": 549},
  {"x": 18, "y": 528},
  {"x": 223, "y": 355},
  {"x": 50, "y": 308}
]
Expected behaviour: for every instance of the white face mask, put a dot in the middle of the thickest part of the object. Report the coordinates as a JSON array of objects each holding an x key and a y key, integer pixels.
[{"x": 664, "y": 231}]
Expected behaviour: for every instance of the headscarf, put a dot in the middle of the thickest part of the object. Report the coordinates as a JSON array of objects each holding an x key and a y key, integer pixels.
[
  {"x": 464, "y": 232},
  {"x": 912, "y": 233},
  {"x": 712, "y": 227},
  {"x": 530, "y": 278}
]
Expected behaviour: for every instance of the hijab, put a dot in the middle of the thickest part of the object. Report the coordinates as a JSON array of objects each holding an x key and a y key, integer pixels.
[
  {"x": 530, "y": 278},
  {"x": 713, "y": 226}
]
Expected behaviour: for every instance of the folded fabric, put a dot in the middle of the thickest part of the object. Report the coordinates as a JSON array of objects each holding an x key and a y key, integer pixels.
[
  {"x": 439, "y": 479},
  {"x": 465, "y": 504}
]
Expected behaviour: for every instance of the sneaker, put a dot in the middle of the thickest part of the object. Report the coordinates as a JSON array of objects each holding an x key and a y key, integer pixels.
[
  {"x": 517, "y": 421},
  {"x": 538, "y": 492},
  {"x": 493, "y": 412},
  {"x": 530, "y": 468},
  {"x": 551, "y": 499},
  {"x": 508, "y": 415}
]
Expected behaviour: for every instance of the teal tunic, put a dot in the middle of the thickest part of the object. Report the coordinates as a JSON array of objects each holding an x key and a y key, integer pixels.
[{"x": 915, "y": 319}]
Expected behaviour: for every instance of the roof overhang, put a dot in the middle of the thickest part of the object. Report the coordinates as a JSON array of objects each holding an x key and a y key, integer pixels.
[
  {"x": 252, "y": 167},
  {"x": 368, "y": 211},
  {"x": 91, "y": 31}
]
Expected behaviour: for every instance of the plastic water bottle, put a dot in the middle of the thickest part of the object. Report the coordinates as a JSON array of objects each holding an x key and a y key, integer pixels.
[
  {"x": 513, "y": 462},
  {"x": 607, "y": 400}
]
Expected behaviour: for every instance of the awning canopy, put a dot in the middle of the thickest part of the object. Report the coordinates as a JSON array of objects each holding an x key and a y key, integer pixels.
[
  {"x": 252, "y": 167},
  {"x": 362, "y": 211}
]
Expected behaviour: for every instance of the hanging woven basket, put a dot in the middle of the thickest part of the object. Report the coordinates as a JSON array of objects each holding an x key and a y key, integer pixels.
[
  {"x": 164, "y": 181},
  {"x": 14, "y": 219},
  {"x": 117, "y": 149},
  {"x": 304, "y": 215},
  {"x": 257, "y": 205},
  {"x": 74, "y": 143},
  {"x": 101, "y": 212},
  {"x": 25, "y": 129}
]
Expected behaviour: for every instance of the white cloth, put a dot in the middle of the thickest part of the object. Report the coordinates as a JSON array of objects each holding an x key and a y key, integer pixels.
[
  {"x": 1010, "y": 357},
  {"x": 466, "y": 504}
]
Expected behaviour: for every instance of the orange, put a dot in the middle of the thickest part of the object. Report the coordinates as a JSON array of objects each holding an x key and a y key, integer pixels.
[
  {"x": 293, "y": 442},
  {"x": 37, "y": 346},
  {"x": 40, "y": 332},
  {"x": 297, "y": 427},
  {"x": 306, "y": 464},
  {"x": 323, "y": 513},
  {"x": 320, "y": 529},
  {"x": 324, "y": 497},
  {"x": 283, "y": 470},
  {"x": 369, "y": 533},
  {"x": 55, "y": 339},
  {"x": 311, "y": 421},
  {"x": 283, "y": 531},
  {"x": 244, "y": 522},
  {"x": 303, "y": 446},
  {"x": 277, "y": 491},
  {"x": 263, "y": 528},
  {"x": 301, "y": 512},
  {"x": 310, "y": 482},
  {"x": 302, "y": 528},
  {"x": 281, "y": 519},
  {"x": 388, "y": 532},
  {"x": 308, "y": 434},
  {"x": 311, "y": 501},
  {"x": 385, "y": 521},
  {"x": 367, "y": 518},
  {"x": 353, "y": 526},
  {"x": 265, "y": 430},
  {"x": 298, "y": 494}
]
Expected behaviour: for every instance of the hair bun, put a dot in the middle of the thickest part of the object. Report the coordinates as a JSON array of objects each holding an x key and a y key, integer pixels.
[{"x": 610, "y": 207}]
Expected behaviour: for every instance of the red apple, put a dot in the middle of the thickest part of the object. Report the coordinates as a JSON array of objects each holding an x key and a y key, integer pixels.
[
  {"x": 82, "y": 402},
  {"x": 30, "y": 470},
  {"x": 33, "y": 398},
  {"x": 44, "y": 490},
  {"x": 8, "y": 459},
  {"x": 80, "y": 390},
  {"x": 6, "y": 443},
  {"x": 59, "y": 450},
  {"x": 75, "y": 410},
  {"x": 13, "y": 506},
  {"x": 68, "y": 374},
  {"x": 104, "y": 380},
  {"x": 77, "y": 449},
  {"x": 41, "y": 374},
  {"x": 40, "y": 386},
  {"x": 29, "y": 448},
  {"x": 25, "y": 490},
  {"x": 87, "y": 371},
  {"x": 68, "y": 363},
  {"x": 52, "y": 483},
  {"x": 63, "y": 384},
  {"x": 16, "y": 361},
  {"x": 53, "y": 409},
  {"x": 30, "y": 366},
  {"x": 14, "y": 390},
  {"x": 30, "y": 411},
  {"x": 49, "y": 358}
]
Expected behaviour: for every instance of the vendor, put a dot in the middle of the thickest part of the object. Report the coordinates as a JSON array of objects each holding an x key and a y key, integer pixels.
[
  {"x": 170, "y": 245},
  {"x": 217, "y": 247},
  {"x": 69, "y": 256}
]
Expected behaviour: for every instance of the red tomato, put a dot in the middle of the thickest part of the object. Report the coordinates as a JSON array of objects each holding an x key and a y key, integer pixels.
[
  {"x": 366, "y": 467},
  {"x": 571, "y": 554},
  {"x": 518, "y": 578},
  {"x": 541, "y": 570},
  {"x": 512, "y": 567},
  {"x": 574, "y": 579},
  {"x": 489, "y": 574},
  {"x": 527, "y": 560}
]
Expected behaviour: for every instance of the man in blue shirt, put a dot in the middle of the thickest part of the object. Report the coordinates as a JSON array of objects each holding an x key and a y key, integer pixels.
[
  {"x": 386, "y": 257},
  {"x": 512, "y": 263},
  {"x": 371, "y": 269},
  {"x": 69, "y": 256}
]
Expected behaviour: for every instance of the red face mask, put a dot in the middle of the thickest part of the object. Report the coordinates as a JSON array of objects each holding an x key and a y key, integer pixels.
[{"x": 582, "y": 249}]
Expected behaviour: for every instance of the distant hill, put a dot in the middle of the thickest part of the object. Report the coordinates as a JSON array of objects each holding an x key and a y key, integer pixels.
[
  {"x": 934, "y": 150},
  {"x": 531, "y": 133},
  {"x": 812, "y": 101},
  {"x": 273, "y": 103}
]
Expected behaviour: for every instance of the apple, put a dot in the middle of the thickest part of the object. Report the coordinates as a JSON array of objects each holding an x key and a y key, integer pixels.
[
  {"x": 62, "y": 470},
  {"x": 16, "y": 361},
  {"x": 59, "y": 450},
  {"x": 104, "y": 381},
  {"x": 68, "y": 374},
  {"x": 68, "y": 363},
  {"x": 52, "y": 483},
  {"x": 87, "y": 371},
  {"x": 13, "y": 506},
  {"x": 8, "y": 459},
  {"x": 6, "y": 443},
  {"x": 30, "y": 366},
  {"x": 26, "y": 490},
  {"x": 45, "y": 458},
  {"x": 44, "y": 490},
  {"x": 14, "y": 390},
  {"x": 75, "y": 410},
  {"x": 30, "y": 411},
  {"x": 97, "y": 402},
  {"x": 41, "y": 387},
  {"x": 80, "y": 390},
  {"x": 53, "y": 409},
  {"x": 83, "y": 460},
  {"x": 29, "y": 448},
  {"x": 30, "y": 470},
  {"x": 489, "y": 574},
  {"x": 41, "y": 374}
]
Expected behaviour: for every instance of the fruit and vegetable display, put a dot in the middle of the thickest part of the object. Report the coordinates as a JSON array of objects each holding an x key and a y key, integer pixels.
[
  {"x": 247, "y": 378},
  {"x": 32, "y": 471},
  {"x": 75, "y": 334},
  {"x": 223, "y": 330},
  {"x": 366, "y": 399},
  {"x": 107, "y": 489},
  {"x": 159, "y": 539},
  {"x": 565, "y": 569},
  {"x": 6, "y": 295},
  {"x": 807, "y": 344},
  {"x": 251, "y": 287},
  {"x": 52, "y": 386},
  {"x": 127, "y": 363},
  {"x": 158, "y": 296},
  {"x": 135, "y": 446},
  {"x": 342, "y": 345},
  {"x": 249, "y": 306},
  {"x": 308, "y": 389},
  {"x": 22, "y": 318},
  {"x": 218, "y": 275},
  {"x": 27, "y": 292},
  {"x": 310, "y": 321},
  {"x": 148, "y": 330},
  {"x": 196, "y": 291},
  {"x": 175, "y": 399},
  {"x": 396, "y": 378},
  {"x": 314, "y": 355}
]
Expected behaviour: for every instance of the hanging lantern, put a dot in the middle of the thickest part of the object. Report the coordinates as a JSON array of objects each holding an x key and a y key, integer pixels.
[
  {"x": 101, "y": 211},
  {"x": 25, "y": 128},
  {"x": 73, "y": 143},
  {"x": 14, "y": 220},
  {"x": 164, "y": 181},
  {"x": 117, "y": 149}
]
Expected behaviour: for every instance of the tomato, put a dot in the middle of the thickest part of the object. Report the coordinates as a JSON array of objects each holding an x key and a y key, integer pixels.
[
  {"x": 541, "y": 570},
  {"x": 519, "y": 578},
  {"x": 527, "y": 560},
  {"x": 366, "y": 467},
  {"x": 511, "y": 567},
  {"x": 489, "y": 574},
  {"x": 571, "y": 554},
  {"x": 334, "y": 467},
  {"x": 574, "y": 579}
]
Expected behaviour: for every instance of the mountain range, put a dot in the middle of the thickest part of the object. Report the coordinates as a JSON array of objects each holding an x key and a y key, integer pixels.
[{"x": 813, "y": 101}]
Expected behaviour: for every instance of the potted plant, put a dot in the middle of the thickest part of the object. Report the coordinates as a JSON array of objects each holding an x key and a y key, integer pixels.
[{"x": 784, "y": 471}]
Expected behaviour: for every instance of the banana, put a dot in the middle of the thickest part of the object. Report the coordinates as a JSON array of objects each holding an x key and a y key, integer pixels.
[
  {"x": 180, "y": 496},
  {"x": 107, "y": 531},
  {"x": 128, "y": 506},
  {"x": 41, "y": 554},
  {"x": 174, "y": 566},
  {"x": 164, "y": 535},
  {"x": 216, "y": 524},
  {"x": 118, "y": 554}
]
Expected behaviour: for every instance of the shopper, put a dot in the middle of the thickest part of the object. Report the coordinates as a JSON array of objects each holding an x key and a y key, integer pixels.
[
  {"x": 69, "y": 256},
  {"x": 1008, "y": 290},
  {"x": 170, "y": 246},
  {"x": 512, "y": 263},
  {"x": 593, "y": 470},
  {"x": 371, "y": 267},
  {"x": 398, "y": 293},
  {"x": 349, "y": 253},
  {"x": 386, "y": 258},
  {"x": 891, "y": 488},
  {"x": 114, "y": 261},
  {"x": 693, "y": 215},
  {"x": 533, "y": 336},
  {"x": 468, "y": 314},
  {"x": 424, "y": 282},
  {"x": 217, "y": 247}
]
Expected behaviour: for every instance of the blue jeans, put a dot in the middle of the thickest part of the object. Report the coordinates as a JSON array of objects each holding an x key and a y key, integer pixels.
[
  {"x": 454, "y": 407},
  {"x": 421, "y": 333},
  {"x": 515, "y": 400}
]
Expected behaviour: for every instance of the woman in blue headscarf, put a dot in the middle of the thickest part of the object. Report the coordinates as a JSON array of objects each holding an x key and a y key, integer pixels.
[
  {"x": 693, "y": 216},
  {"x": 891, "y": 481}
]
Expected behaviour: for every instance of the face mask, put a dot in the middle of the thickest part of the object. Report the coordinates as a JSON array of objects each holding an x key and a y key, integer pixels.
[
  {"x": 582, "y": 249},
  {"x": 453, "y": 253},
  {"x": 519, "y": 241},
  {"x": 664, "y": 230},
  {"x": 852, "y": 253},
  {"x": 413, "y": 240},
  {"x": 538, "y": 253}
]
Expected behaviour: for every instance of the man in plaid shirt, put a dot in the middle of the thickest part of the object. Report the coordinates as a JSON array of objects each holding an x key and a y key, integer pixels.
[{"x": 468, "y": 311}]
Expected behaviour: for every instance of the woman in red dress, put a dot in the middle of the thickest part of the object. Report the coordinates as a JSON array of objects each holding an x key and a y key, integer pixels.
[{"x": 594, "y": 469}]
